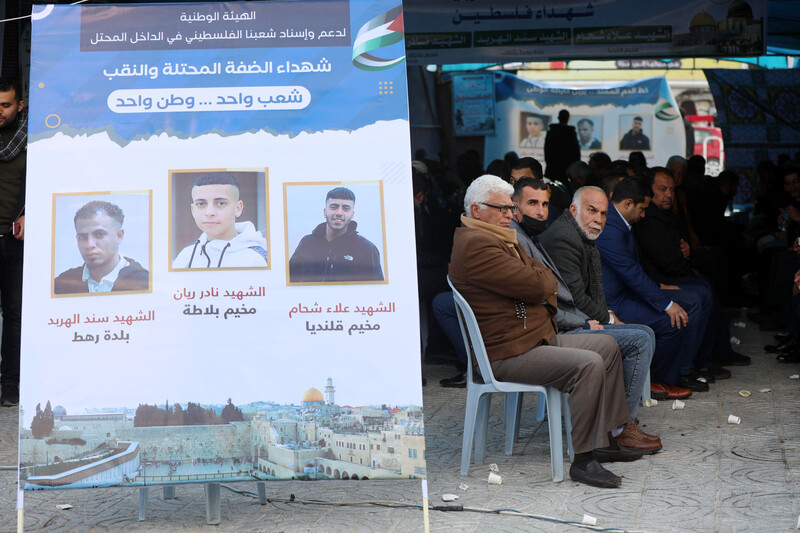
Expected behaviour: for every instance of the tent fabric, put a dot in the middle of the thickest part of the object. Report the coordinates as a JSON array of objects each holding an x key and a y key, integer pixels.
[{"x": 759, "y": 113}]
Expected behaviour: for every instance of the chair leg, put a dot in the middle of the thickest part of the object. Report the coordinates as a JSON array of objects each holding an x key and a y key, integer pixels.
[
  {"x": 470, "y": 416},
  {"x": 554, "y": 425},
  {"x": 482, "y": 427},
  {"x": 541, "y": 404},
  {"x": 512, "y": 412},
  {"x": 567, "y": 424},
  {"x": 646, "y": 389}
]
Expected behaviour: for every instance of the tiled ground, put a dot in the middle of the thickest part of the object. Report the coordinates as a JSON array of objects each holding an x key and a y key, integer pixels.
[{"x": 711, "y": 476}]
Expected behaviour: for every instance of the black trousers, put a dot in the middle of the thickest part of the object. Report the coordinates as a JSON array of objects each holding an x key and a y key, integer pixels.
[{"x": 11, "y": 302}]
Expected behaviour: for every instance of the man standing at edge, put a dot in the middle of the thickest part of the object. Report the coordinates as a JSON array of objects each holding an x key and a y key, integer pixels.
[
  {"x": 514, "y": 300},
  {"x": 13, "y": 132}
]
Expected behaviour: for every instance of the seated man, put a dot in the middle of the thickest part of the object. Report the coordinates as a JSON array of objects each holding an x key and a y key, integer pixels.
[
  {"x": 570, "y": 241},
  {"x": 98, "y": 229},
  {"x": 224, "y": 243},
  {"x": 665, "y": 257},
  {"x": 789, "y": 349},
  {"x": 637, "y": 298},
  {"x": 529, "y": 167},
  {"x": 636, "y": 342},
  {"x": 514, "y": 300}
]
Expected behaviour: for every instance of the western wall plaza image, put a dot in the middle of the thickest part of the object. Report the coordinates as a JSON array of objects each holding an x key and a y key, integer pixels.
[{"x": 315, "y": 439}]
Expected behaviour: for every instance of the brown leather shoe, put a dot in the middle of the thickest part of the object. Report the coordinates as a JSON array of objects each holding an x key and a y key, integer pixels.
[
  {"x": 632, "y": 437},
  {"x": 664, "y": 391},
  {"x": 677, "y": 393},
  {"x": 658, "y": 391},
  {"x": 634, "y": 426}
]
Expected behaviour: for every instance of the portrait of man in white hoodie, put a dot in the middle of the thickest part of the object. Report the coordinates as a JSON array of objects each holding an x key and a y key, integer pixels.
[{"x": 223, "y": 242}]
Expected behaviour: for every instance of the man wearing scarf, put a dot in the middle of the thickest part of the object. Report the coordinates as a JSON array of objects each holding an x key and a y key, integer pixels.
[{"x": 13, "y": 161}]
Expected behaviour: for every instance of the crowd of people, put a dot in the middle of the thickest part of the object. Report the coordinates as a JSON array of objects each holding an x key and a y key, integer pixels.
[{"x": 588, "y": 278}]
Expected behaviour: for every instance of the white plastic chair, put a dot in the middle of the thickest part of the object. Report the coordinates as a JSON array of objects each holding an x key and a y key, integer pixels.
[{"x": 476, "y": 416}]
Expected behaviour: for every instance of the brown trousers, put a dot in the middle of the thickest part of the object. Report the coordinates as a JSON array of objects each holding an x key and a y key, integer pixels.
[{"x": 589, "y": 368}]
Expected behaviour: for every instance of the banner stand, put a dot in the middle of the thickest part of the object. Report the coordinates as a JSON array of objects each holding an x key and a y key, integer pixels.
[
  {"x": 212, "y": 504},
  {"x": 20, "y": 512},
  {"x": 213, "y": 514},
  {"x": 425, "y": 512},
  {"x": 142, "y": 504}
]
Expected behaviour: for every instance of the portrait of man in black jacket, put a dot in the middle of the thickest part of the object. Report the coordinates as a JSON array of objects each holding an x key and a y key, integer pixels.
[{"x": 334, "y": 251}]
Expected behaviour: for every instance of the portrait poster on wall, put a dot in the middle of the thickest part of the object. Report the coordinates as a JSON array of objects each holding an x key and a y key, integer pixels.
[
  {"x": 220, "y": 284},
  {"x": 616, "y": 118}
]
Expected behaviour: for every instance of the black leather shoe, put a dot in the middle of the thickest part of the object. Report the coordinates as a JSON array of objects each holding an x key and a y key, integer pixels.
[
  {"x": 782, "y": 347},
  {"x": 688, "y": 382},
  {"x": 702, "y": 373},
  {"x": 593, "y": 473},
  {"x": 789, "y": 357},
  {"x": 736, "y": 359},
  {"x": 10, "y": 395},
  {"x": 617, "y": 453},
  {"x": 459, "y": 381},
  {"x": 717, "y": 371},
  {"x": 788, "y": 347}
]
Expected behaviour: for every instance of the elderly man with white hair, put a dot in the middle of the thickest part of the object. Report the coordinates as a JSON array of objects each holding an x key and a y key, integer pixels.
[{"x": 514, "y": 300}]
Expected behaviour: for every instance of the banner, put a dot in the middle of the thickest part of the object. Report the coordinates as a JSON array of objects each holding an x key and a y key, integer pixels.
[
  {"x": 491, "y": 31},
  {"x": 758, "y": 112},
  {"x": 616, "y": 119},
  {"x": 220, "y": 278}
]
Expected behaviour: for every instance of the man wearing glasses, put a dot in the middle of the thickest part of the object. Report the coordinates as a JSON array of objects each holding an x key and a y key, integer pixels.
[
  {"x": 514, "y": 300},
  {"x": 334, "y": 251}
]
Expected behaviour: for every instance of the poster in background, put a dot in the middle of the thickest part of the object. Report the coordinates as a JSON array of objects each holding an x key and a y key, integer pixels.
[
  {"x": 603, "y": 118},
  {"x": 473, "y": 104},
  {"x": 218, "y": 373},
  {"x": 490, "y": 31}
]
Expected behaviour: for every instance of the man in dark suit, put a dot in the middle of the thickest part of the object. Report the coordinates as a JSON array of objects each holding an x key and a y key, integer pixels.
[
  {"x": 666, "y": 259},
  {"x": 675, "y": 316}
]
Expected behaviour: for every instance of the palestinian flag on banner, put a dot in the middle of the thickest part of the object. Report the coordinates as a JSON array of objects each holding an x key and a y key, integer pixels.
[{"x": 382, "y": 31}]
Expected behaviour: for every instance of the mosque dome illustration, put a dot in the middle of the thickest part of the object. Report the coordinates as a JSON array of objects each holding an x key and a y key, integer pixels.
[
  {"x": 701, "y": 20},
  {"x": 59, "y": 411},
  {"x": 740, "y": 9},
  {"x": 312, "y": 397}
]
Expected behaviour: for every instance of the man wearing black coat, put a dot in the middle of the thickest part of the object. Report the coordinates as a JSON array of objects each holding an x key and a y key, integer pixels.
[
  {"x": 561, "y": 147},
  {"x": 665, "y": 257}
]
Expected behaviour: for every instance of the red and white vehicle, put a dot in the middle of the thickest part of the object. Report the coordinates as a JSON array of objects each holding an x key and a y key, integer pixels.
[{"x": 708, "y": 143}]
